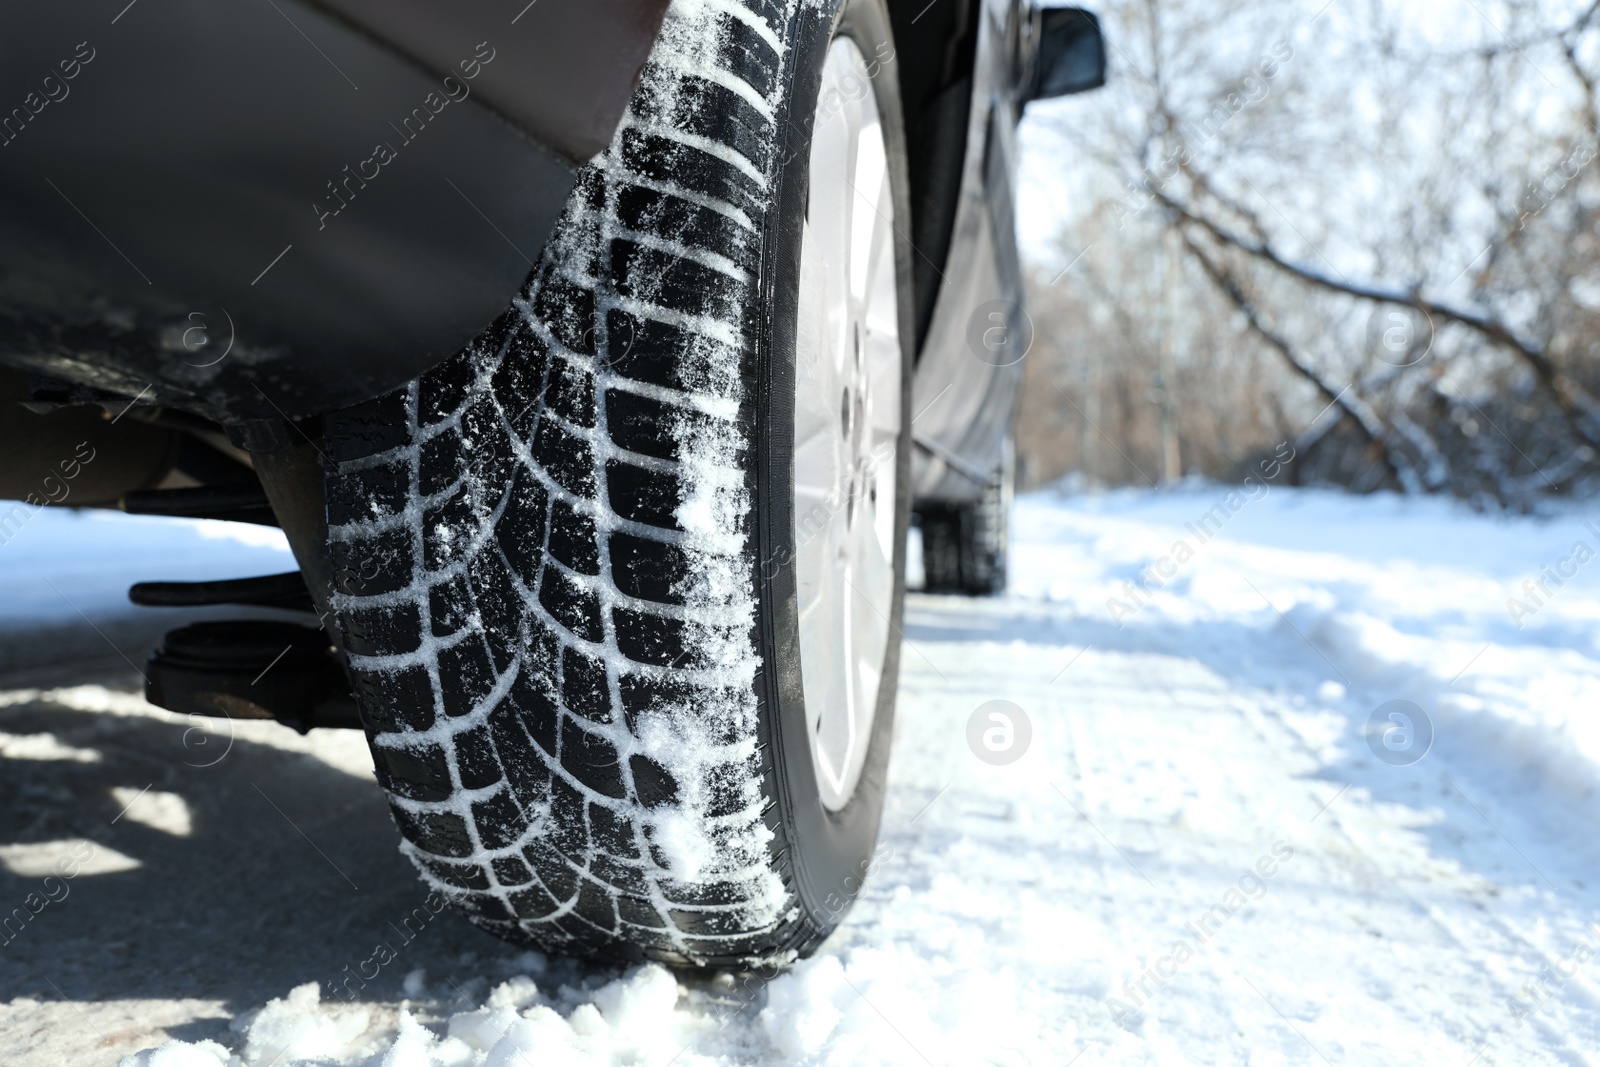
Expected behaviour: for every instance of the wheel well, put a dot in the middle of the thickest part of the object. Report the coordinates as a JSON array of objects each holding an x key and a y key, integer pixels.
[{"x": 935, "y": 46}]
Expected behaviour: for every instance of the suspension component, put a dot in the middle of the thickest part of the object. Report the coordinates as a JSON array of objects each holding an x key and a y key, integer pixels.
[
  {"x": 239, "y": 502},
  {"x": 287, "y": 591},
  {"x": 252, "y": 670}
]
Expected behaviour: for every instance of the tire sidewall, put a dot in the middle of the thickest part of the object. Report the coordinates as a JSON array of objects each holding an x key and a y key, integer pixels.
[{"x": 824, "y": 854}]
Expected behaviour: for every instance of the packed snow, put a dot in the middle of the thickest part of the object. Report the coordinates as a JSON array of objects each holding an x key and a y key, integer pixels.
[{"x": 1214, "y": 848}]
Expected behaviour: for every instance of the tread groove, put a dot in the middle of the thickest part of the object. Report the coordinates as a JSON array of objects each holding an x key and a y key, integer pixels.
[{"x": 561, "y": 514}]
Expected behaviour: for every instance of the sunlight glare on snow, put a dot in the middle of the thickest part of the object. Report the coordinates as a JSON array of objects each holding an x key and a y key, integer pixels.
[
  {"x": 42, "y": 858},
  {"x": 166, "y": 812},
  {"x": 43, "y": 747}
]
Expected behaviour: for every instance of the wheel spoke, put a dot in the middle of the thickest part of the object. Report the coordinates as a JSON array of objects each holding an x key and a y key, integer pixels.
[{"x": 847, "y": 424}]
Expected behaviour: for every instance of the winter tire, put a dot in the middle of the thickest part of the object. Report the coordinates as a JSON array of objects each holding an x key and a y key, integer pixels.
[
  {"x": 620, "y": 584},
  {"x": 965, "y": 546}
]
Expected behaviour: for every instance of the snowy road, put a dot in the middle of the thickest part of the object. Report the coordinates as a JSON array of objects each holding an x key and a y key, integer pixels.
[{"x": 1198, "y": 858}]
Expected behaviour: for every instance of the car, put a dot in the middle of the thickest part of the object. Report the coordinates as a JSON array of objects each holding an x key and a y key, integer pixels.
[{"x": 593, "y": 356}]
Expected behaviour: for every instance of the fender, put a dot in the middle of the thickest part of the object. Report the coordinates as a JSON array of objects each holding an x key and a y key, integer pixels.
[{"x": 355, "y": 187}]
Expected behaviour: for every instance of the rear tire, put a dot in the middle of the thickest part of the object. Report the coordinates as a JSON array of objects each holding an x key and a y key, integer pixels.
[
  {"x": 565, "y": 560},
  {"x": 966, "y": 547}
]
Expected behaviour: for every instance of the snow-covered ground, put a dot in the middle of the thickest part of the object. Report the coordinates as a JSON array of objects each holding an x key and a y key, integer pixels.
[{"x": 1204, "y": 854}]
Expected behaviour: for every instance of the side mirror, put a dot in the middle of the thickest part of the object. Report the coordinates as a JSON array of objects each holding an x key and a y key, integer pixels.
[{"x": 1069, "y": 54}]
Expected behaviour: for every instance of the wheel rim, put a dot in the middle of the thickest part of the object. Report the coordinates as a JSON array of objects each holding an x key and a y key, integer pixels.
[{"x": 847, "y": 423}]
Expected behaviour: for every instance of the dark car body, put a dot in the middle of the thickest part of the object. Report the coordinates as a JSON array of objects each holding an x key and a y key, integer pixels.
[
  {"x": 345, "y": 192},
  {"x": 255, "y": 213}
]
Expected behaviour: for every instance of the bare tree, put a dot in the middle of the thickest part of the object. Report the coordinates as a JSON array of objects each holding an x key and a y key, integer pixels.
[{"x": 1388, "y": 223}]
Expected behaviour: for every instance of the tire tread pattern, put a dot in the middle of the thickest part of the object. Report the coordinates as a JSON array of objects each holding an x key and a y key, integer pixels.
[
  {"x": 543, "y": 549},
  {"x": 965, "y": 547}
]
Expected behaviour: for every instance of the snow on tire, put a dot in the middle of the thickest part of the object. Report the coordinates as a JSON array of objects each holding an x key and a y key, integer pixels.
[{"x": 553, "y": 555}]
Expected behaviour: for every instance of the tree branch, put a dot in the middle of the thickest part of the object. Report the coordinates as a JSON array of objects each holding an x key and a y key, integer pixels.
[
  {"x": 1374, "y": 432},
  {"x": 1575, "y": 402}
]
